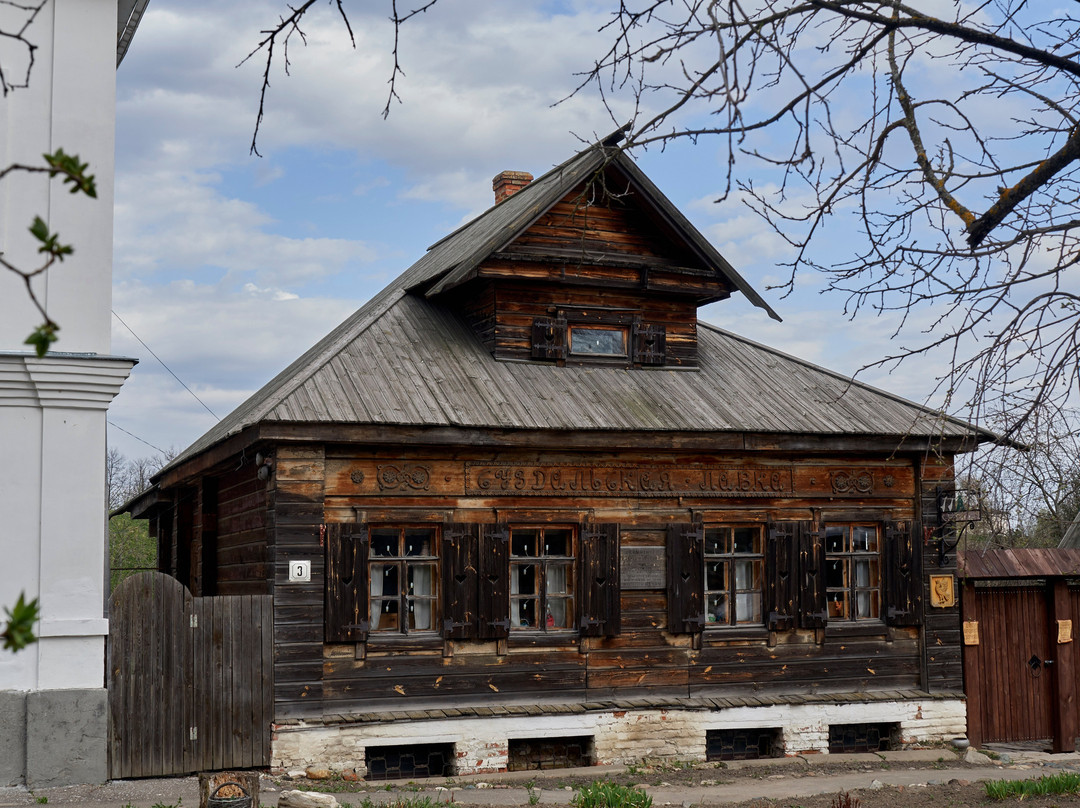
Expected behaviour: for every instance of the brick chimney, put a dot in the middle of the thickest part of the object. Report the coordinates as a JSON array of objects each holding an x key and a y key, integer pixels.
[{"x": 509, "y": 183}]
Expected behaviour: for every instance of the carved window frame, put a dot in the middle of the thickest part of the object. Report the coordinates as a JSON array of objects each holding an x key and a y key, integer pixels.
[
  {"x": 547, "y": 567},
  {"x": 389, "y": 614},
  {"x": 721, "y": 559},
  {"x": 850, "y": 597}
]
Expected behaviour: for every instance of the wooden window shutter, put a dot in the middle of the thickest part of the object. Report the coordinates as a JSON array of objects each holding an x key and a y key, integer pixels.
[
  {"x": 686, "y": 612},
  {"x": 493, "y": 583},
  {"x": 347, "y": 617},
  {"x": 903, "y": 574},
  {"x": 780, "y": 575},
  {"x": 600, "y": 580},
  {"x": 650, "y": 344},
  {"x": 813, "y": 612},
  {"x": 548, "y": 338},
  {"x": 460, "y": 544}
]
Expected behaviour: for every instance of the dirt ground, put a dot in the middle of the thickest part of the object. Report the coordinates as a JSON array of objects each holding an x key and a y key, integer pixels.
[{"x": 929, "y": 789}]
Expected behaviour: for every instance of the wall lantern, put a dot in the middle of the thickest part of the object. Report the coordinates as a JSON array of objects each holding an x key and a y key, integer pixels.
[
  {"x": 957, "y": 510},
  {"x": 264, "y": 463}
]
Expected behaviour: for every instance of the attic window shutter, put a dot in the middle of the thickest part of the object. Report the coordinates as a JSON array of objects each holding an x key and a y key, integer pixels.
[
  {"x": 460, "y": 579},
  {"x": 548, "y": 338},
  {"x": 493, "y": 584},
  {"x": 813, "y": 612},
  {"x": 346, "y": 617},
  {"x": 780, "y": 575},
  {"x": 686, "y": 613},
  {"x": 903, "y": 574},
  {"x": 650, "y": 344},
  {"x": 600, "y": 580}
]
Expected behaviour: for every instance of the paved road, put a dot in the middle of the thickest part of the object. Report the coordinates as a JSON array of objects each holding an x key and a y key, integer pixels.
[{"x": 795, "y": 777}]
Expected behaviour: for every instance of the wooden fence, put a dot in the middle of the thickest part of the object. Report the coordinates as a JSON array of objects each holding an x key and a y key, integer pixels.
[{"x": 190, "y": 679}]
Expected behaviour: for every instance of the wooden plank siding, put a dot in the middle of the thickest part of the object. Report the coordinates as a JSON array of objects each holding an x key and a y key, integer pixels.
[
  {"x": 643, "y": 659},
  {"x": 942, "y": 660},
  {"x": 295, "y": 523},
  {"x": 242, "y": 560}
]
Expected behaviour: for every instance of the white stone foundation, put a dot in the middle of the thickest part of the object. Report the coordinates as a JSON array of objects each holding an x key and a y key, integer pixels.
[{"x": 619, "y": 736}]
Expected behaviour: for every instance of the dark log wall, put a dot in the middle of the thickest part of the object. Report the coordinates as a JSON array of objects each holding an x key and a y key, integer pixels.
[
  {"x": 295, "y": 530},
  {"x": 943, "y": 665},
  {"x": 517, "y": 304},
  {"x": 591, "y": 222},
  {"x": 611, "y": 256},
  {"x": 644, "y": 657},
  {"x": 242, "y": 561}
]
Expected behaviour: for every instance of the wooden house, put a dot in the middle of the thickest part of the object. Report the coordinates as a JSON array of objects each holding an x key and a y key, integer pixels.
[{"x": 523, "y": 509}]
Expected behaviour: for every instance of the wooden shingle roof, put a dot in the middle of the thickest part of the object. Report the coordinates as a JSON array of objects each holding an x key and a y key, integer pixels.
[
  {"x": 1024, "y": 562},
  {"x": 405, "y": 359}
]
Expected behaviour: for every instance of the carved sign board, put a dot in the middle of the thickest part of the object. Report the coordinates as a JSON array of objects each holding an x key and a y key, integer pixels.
[
  {"x": 389, "y": 476},
  {"x": 486, "y": 479},
  {"x": 942, "y": 591},
  {"x": 642, "y": 568}
]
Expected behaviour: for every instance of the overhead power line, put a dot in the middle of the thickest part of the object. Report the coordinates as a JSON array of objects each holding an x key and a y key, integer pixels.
[{"x": 158, "y": 358}]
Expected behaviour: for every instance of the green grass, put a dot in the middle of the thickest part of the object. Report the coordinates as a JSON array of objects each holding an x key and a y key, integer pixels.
[
  {"x": 1061, "y": 783},
  {"x": 603, "y": 794}
]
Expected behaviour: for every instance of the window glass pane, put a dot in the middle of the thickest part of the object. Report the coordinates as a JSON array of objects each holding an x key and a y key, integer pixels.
[
  {"x": 384, "y": 615},
  {"x": 716, "y": 610},
  {"x": 836, "y": 573},
  {"x": 559, "y": 579},
  {"x": 419, "y": 541},
  {"x": 421, "y": 615},
  {"x": 523, "y": 578},
  {"x": 598, "y": 341},
  {"x": 525, "y": 543},
  {"x": 523, "y": 612},
  {"x": 834, "y": 539},
  {"x": 748, "y": 607},
  {"x": 558, "y": 542},
  {"x": 716, "y": 541},
  {"x": 384, "y": 542},
  {"x": 746, "y": 575},
  {"x": 838, "y": 605},
  {"x": 715, "y": 575},
  {"x": 421, "y": 579},
  {"x": 560, "y": 613},
  {"x": 866, "y": 603},
  {"x": 747, "y": 540},
  {"x": 864, "y": 539},
  {"x": 862, "y": 572}
]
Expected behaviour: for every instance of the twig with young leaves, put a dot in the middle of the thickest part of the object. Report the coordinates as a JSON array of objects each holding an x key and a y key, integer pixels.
[
  {"x": 19, "y": 627},
  {"x": 73, "y": 173}
]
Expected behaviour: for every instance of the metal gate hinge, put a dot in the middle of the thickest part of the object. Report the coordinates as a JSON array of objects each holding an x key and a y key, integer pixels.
[
  {"x": 194, "y": 621},
  {"x": 193, "y": 734}
]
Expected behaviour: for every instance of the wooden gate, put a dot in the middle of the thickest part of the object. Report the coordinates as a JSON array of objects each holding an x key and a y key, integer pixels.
[
  {"x": 1008, "y": 699},
  {"x": 190, "y": 679}
]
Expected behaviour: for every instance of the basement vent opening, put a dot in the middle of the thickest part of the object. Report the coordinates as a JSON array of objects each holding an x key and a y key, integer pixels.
[
  {"x": 742, "y": 744},
  {"x": 528, "y": 754},
  {"x": 408, "y": 762},
  {"x": 844, "y": 738}
]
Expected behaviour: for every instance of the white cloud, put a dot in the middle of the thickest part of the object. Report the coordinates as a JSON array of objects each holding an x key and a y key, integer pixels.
[{"x": 178, "y": 222}]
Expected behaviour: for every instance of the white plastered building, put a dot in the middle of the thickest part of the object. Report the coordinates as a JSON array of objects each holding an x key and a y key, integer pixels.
[{"x": 53, "y": 707}]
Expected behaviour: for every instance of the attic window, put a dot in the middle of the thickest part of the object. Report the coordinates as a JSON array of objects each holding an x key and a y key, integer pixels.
[
  {"x": 599, "y": 336},
  {"x": 597, "y": 341}
]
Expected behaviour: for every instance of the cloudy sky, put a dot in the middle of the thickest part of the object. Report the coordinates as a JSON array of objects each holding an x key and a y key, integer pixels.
[{"x": 227, "y": 265}]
